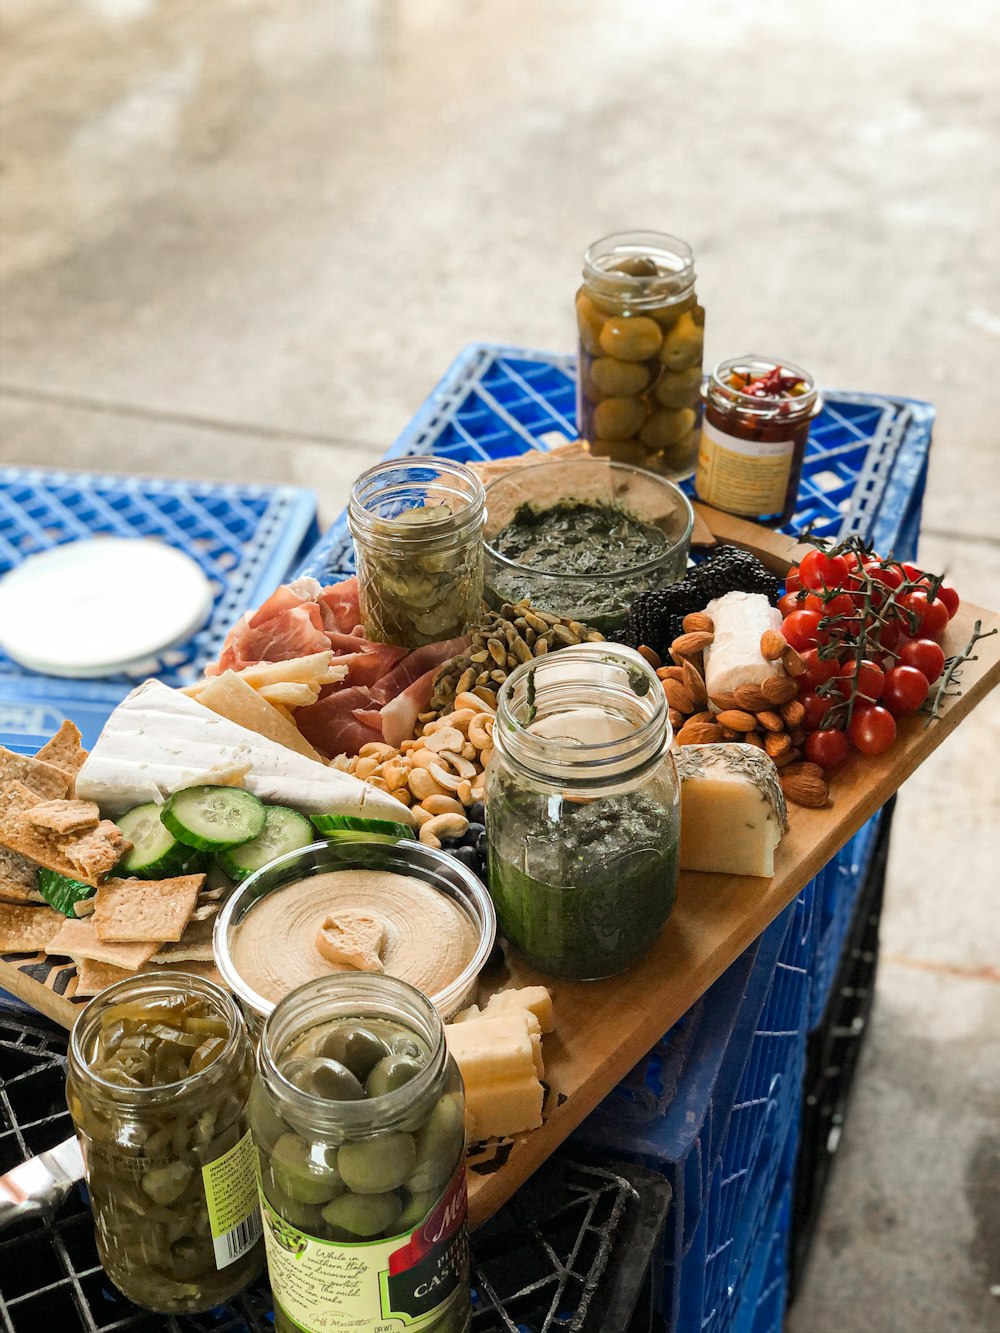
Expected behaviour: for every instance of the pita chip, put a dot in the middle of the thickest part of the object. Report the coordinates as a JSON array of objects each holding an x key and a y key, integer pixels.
[
  {"x": 12, "y": 892},
  {"x": 17, "y": 869},
  {"x": 64, "y": 750},
  {"x": 92, "y": 977},
  {"x": 44, "y": 780},
  {"x": 195, "y": 945},
  {"x": 79, "y": 939},
  {"x": 96, "y": 852},
  {"x": 64, "y": 816},
  {"x": 145, "y": 909},
  {"x": 25, "y": 929},
  {"x": 87, "y": 856}
]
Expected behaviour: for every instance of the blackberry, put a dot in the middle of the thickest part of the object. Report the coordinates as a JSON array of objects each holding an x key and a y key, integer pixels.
[{"x": 656, "y": 617}]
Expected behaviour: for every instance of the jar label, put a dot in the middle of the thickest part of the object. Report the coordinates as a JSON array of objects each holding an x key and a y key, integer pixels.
[
  {"x": 381, "y": 1286},
  {"x": 743, "y": 476},
  {"x": 231, "y": 1191}
]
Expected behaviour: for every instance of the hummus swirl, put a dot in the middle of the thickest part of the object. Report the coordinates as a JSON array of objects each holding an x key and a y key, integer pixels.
[{"x": 429, "y": 938}]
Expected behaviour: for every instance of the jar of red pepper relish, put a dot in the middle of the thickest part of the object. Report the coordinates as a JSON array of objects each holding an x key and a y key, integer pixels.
[{"x": 753, "y": 441}]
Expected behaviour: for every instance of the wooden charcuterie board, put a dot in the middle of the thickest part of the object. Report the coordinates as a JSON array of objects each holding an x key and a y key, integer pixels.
[{"x": 604, "y": 1028}]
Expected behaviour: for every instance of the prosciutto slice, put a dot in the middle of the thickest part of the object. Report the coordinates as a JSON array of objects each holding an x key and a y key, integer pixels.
[
  {"x": 330, "y": 724},
  {"x": 415, "y": 665},
  {"x": 296, "y": 631},
  {"x": 340, "y": 607}
]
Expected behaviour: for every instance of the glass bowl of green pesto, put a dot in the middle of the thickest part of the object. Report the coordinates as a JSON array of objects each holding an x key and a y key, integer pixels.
[{"x": 583, "y": 537}]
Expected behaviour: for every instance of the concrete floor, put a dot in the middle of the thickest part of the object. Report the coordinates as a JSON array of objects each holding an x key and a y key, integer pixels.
[{"x": 243, "y": 239}]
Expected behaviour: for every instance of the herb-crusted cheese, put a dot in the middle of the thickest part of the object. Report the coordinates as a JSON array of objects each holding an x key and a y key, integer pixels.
[
  {"x": 732, "y": 809},
  {"x": 733, "y": 657}
]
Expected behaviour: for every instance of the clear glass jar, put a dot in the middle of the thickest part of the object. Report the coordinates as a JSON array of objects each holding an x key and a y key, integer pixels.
[
  {"x": 417, "y": 525},
  {"x": 641, "y": 340},
  {"x": 364, "y": 1201},
  {"x": 753, "y": 441},
  {"x": 583, "y": 811},
  {"x": 170, "y": 1168}
]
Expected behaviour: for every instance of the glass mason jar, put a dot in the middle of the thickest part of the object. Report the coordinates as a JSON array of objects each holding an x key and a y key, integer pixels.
[
  {"x": 417, "y": 525},
  {"x": 170, "y": 1167},
  {"x": 583, "y": 811},
  {"x": 641, "y": 339},
  {"x": 753, "y": 441},
  {"x": 364, "y": 1201}
]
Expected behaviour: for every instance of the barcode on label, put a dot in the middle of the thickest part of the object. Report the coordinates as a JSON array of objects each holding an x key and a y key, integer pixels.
[{"x": 231, "y": 1244}]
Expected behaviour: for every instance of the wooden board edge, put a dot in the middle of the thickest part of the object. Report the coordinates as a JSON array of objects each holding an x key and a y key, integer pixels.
[{"x": 41, "y": 998}]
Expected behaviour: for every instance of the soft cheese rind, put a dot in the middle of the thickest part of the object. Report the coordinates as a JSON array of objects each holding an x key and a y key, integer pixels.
[{"x": 733, "y": 811}]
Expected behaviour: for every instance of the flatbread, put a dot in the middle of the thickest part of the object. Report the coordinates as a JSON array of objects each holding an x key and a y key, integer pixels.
[
  {"x": 17, "y": 869},
  {"x": 151, "y": 909},
  {"x": 78, "y": 939},
  {"x": 194, "y": 945},
  {"x": 26, "y": 929},
  {"x": 64, "y": 750},
  {"x": 44, "y": 780},
  {"x": 64, "y": 816},
  {"x": 233, "y": 698},
  {"x": 12, "y": 892}
]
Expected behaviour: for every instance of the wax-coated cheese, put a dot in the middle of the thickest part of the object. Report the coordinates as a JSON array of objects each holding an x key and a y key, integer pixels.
[
  {"x": 733, "y": 657},
  {"x": 732, "y": 809}
]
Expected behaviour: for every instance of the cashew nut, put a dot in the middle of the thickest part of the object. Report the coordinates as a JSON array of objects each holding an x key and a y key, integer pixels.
[
  {"x": 443, "y": 826},
  {"x": 466, "y": 699},
  {"x": 443, "y": 805}
]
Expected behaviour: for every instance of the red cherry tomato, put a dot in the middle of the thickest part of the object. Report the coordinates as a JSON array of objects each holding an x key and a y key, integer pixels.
[
  {"x": 887, "y": 635},
  {"x": 818, "y": 570},
  {"x": 890, "y": 576},
  {"x": 872, "y": 729},
  {"x": 924, "y": 654},
  {"x": 789, "y": 603},
  {"x": 828, "y": 748},
  {"x": 950, "y": 597},
  {"x": 834, "y": 608},
  {"x": 905, "y": 690},
  {"x": 792, "y": 581},
  {"x": 816, "y": 709},
  {"x": 914, "y": 573},
  {"x": 817, "y": 669},
  {"x": 801, "y": 628},
  {"x": 871, "y": 679},
  {"x": 931, "y": 616}
]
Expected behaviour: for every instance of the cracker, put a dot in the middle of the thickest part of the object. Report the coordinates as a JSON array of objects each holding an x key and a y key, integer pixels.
[
  {"x": 92, "y": 977},
  {"x": 194, "y": 945},
  {"x": 44, "y": 780},
  {"x": 12, "y": 892},
  {"x": 17, "y": 869},
  {"x": 232, "y": 698},
  {"x": 64, "y": 816},
  {"x": 85, "y": 906},
  {"x": 16, "y": 834},
  {"x": 194, "y": 967},
  {"x": 78, "y": 939},
  {"x": 26, "y": 929},
  {"x": 96, "y": 852},
  {"x": 145, "y": 909},
  {"x": 64, "y": 750}
]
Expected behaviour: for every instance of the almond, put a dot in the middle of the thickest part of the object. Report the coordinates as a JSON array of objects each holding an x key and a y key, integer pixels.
[
  {"x": 734, "y": 719},
  {"x": 805, "y": 790},
  {"x": 770, "y": 721},
  {"x": 772, "y": 644},
  {"x": 806, "y": 770},
  {"x": 677, "y": 719},
  {"x": 729, "y": 735},
  {"x": 793, "y": 713},
  {"x": 779, "y": 689},
  {"x": 678, "y": 696},
  {"x": 787, "y": 759},
  {"x": 753, "y": 738},
  {"x": 797, "y": 734},
  {"x": 652, "y": 658},
  {"x": 792, "y": 662},
  {"x": 750, "y": 698},
  {"x": 687, "y": 645},
  {"x": 705, "y": 716},
  {"x": 698, "y": 622},
  {"x": 695, "y": 684},
  {"x": 722, "y": 701},
  {"x": 777, "y": 743},
  {"x": 699, "y": 733},
  {"x": 671, "y": 673}
]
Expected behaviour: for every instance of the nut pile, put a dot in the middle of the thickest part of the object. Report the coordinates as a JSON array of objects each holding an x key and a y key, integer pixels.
[
  {"x": 501, "y": 641},
  {"x": 769, "y": 716},
  {"x": 439, "y": 775}
]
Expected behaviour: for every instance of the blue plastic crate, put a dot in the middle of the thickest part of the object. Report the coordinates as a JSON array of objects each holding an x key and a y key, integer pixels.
[
  {"x": 762, "y": 1309},
  {"x": 245, "y": 538},
  {"x": 864, "y": 471}
]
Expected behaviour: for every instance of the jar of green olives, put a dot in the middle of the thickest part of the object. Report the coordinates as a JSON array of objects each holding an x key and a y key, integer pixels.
[
  {"x": 158, "y": 1082},
  {"x": 641, "y": 339},
  {"x": 358, "y": 1114},
  {"x": 417, "y": 525}
]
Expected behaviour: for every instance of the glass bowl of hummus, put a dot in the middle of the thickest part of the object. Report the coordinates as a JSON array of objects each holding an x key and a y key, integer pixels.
[{"x": 398, "y": 909}]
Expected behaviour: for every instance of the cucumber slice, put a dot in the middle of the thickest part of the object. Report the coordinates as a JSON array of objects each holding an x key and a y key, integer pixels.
[
  {"x": 284, "y": 831},
  {"x": 211, "y": 819},
  {"x": 156, "y": 853},
  {"x": 347, "y": 827},
  {"x": 61, "y": 893}
]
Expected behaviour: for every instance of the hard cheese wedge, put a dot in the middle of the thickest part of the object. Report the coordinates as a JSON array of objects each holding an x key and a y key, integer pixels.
[
  {"x": 501, "y": 1064},
  {"x": 158, "y": 741},
  {"x": 732, "y": 809}
]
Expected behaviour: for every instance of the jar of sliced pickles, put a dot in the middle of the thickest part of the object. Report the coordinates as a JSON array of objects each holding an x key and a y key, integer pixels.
[
  {"x": 158, "y": 1082},
  {"x": 417, "y": 525},
  {"x": 641, "y": 339},
  {"x": 358, "y": 1114}
]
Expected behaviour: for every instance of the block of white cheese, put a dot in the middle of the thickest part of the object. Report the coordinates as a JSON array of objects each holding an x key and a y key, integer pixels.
[
  {"x": 501, "y": 1064},
  {"x": 158, "y": 741},
  {"x": 733, "y": 657},
  {"x": 733, "y": 810},
  {"x": 535, "y": 1000}
]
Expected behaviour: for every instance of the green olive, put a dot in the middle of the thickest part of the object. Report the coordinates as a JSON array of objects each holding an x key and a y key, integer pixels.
[
  {"x": 268, "y": 1126},
  {"x": 403, "y": 1044},
  {"x": 439, "y": 1145},
  {"x": 307, "y": 1174},
  {"x": 636, "y": 266},
  {"x": 622, "y": 451},
  {"x": 670, "y": 314},
  {"x": 329, "y": 1079},
  {"x": 364, "y": 1214},
  {"x": 619, "y": 418},
  {"x": 633, "y": 338},
  {"x": 679, "y": 388},
  {"x": 356, "y": 1047},
  {"x": 391, "y": 1073},
  {"x": 683, "y": 344},
  {"x": 419, "y": 1205},
  {"x": 378, "y": 1164},
  {"x": 306, "y": 1216},
  {"x": 589, "y": 322},
  {"x": 682, "y": 455},
  {"x": 619, "y": 378},
  {"x": 665, "y": 428}
]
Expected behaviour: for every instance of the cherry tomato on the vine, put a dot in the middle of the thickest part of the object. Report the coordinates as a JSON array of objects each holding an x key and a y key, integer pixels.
[
  {"x": 789, "y": 603},
  {"x": 890, "y": 576},
  {"x": 932, "y": 616},
  {"x": 887, "y": 635},
  {"x": 801, "y": 629},
  {"x": 950, "y": 597},
  {"x": 818, "y": 570},
  {"x": 872, "y": 729},
  {"x": 816, "y": 709},
  {"x": 792, "y": 581},
  {"x": 828, "y": 748},
  {"x": 871, "y": 679},
  {"x": 905, "y": 690},
  {"x": 924, "y": 654},
  {"x": 818, "y": 669},
  {"x": 914, "y": 573},
  {"x": 833, "y": 608}
]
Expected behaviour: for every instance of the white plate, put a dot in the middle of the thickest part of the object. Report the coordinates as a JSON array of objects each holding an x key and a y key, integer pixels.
[{"x": 101, "y": 606}]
